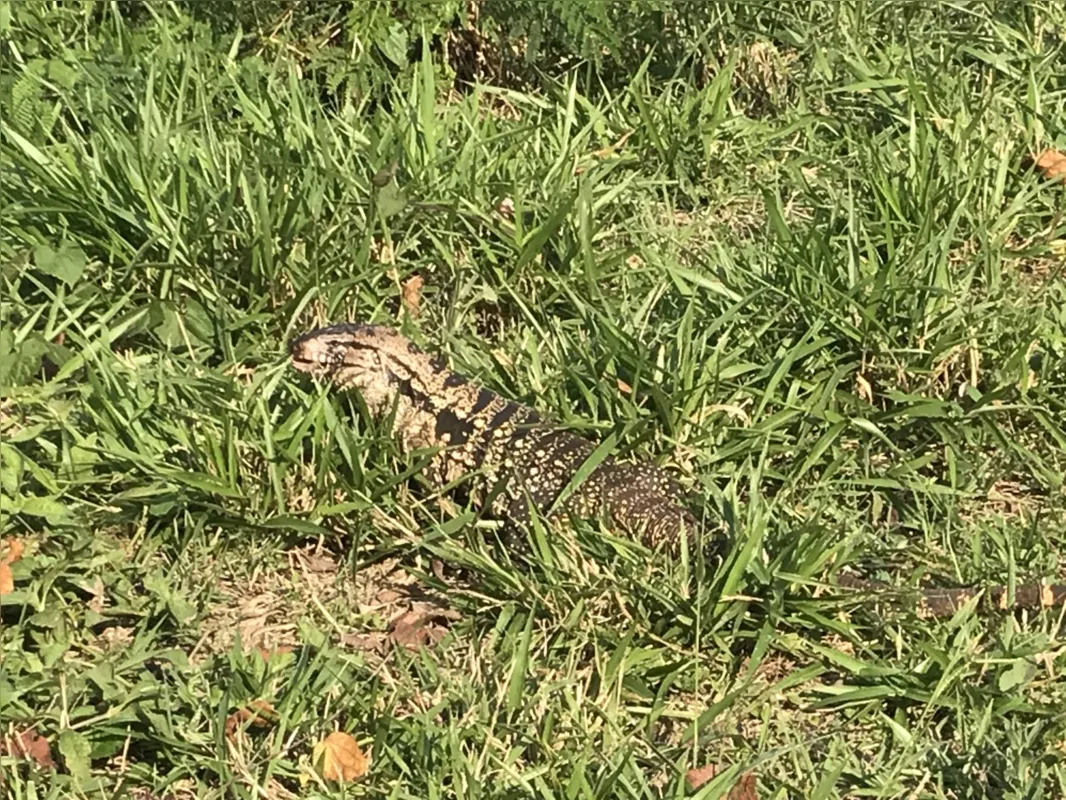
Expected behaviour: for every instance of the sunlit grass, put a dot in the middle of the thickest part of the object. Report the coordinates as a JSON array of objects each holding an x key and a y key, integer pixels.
[{"x": 816, "y": 281}]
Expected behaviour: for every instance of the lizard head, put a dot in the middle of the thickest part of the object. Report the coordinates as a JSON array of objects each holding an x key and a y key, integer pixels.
[{"x": 373, "y": 360}]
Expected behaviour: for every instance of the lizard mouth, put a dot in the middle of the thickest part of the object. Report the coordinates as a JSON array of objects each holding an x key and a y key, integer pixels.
[
  {"x": 316, "y": 361},
  {"x": 310, "y": 367},
  {"x": 317, "y": 366}
]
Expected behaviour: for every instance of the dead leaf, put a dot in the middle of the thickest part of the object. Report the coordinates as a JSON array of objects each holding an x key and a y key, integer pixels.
[
  {"x": 386, "y": 596},
  {"x": 420, "y": 627},
  {"x": 339, "y": 758},
  {"x": 744, "y": 789},
  {"x": 28, "y": 745},
  {"x": 863, "y": 388},
  {"x": 410, "y": 631},
  {"x": 13, "y": 549},
  {"x": 256, "y": 714},
  {"x": 277, "y": 650},
  {"x": 438, "y": 570},
  {"x": 1052, "y": 163},
  {"x": 698, "y": 776},
  {"x": 411, "y": 294},
  {"x": 12, "y": 552}
]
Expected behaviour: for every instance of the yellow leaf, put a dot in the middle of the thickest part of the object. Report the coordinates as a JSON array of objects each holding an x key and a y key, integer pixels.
[{"x": 338, "y": 758}]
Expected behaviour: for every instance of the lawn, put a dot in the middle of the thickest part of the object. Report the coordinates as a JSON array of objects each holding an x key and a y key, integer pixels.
[{"x": 798, "y": 255}]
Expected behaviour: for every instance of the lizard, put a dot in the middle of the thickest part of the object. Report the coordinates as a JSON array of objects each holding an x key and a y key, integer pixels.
[
  {"x": 492, "y": 442},
  {"x": 517, "y": 460}
]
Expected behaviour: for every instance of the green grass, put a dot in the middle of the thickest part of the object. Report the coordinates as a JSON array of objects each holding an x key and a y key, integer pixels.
[{"x": 830, "y": 194}]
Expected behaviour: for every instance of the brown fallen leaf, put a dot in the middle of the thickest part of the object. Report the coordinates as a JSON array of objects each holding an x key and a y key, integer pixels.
[
  {"x": 13, "y": 549},
  {"x": 386, "y": 596},
  {"x": 338, "y": 758},
  {"x": 697, "y": 776},
  {"x": 411, "y": 631},
  {"x": 438, "y": 570},
  {"x": 420, "y": 627},
  {"x": 10, "y": 553},
  {"x": 277, "y": 650},
  {"x": 744, "y": 789},
  {"x": 1052, "y": 163},
  {"x": 411, "y": 294},
  {"x": 256, "y": 714},
  {"x": 28, "y": 745}
]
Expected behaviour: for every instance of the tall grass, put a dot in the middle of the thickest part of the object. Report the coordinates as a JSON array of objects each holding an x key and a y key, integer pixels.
[{"x": 801, "y": 262}]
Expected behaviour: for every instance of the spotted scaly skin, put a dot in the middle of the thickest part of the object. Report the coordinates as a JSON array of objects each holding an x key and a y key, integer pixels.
[
  {"x": 514, "y": 459},
  {"x": 510, "y": 456}
]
